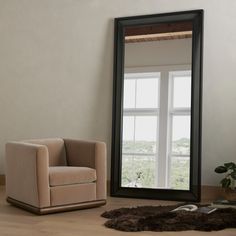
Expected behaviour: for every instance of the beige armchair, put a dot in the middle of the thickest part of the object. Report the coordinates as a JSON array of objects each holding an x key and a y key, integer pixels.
[{"x": 52, "y": 175}]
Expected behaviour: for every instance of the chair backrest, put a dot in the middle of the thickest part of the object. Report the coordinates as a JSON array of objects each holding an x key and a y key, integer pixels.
[{"x": 56, "y": 150}]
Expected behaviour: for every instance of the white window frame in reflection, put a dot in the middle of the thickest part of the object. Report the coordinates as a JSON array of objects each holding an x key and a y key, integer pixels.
[{"x": 176, "y": 111}]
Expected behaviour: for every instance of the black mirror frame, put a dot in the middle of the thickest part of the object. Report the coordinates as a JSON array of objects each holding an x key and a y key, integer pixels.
[{"x": 194, "y": 194}]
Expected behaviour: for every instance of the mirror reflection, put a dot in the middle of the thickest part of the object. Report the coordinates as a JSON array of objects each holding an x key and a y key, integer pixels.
[{"x": 157, "y": 106}]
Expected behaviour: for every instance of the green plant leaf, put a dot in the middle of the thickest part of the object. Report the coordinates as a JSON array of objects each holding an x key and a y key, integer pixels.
[
  {"x": 233, "y": 175},
  {"x": 225, "y": 182},
  {"x": 230, "y": 165},
  {"x": 220, "y": 169}
]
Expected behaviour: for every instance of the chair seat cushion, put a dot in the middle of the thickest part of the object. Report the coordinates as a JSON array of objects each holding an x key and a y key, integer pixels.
[{"x": 66, "y": 175}]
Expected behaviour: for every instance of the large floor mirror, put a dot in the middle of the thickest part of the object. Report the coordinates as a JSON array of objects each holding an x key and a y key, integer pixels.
[{"x": 156, "y": 140}]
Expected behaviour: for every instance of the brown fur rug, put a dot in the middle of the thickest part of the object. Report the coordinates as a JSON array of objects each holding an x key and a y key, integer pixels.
[{"x": 159, "y": 218}]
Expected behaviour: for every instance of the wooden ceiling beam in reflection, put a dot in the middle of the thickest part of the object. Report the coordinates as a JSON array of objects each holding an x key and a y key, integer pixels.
[{"x": 158, "y": 37}]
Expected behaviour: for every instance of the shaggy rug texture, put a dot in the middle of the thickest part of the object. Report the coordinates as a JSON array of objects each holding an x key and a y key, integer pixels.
[{"x": 160, "y": 218}]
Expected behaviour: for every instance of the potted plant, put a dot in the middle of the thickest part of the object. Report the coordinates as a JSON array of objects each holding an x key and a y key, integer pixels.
[{"x": 228, "y": 183}]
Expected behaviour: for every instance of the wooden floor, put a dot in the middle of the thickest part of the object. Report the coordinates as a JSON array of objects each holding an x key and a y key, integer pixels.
[{"x": 14, "y": 221}]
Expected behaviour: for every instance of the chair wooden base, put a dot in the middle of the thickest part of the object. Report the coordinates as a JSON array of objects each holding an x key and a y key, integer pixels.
[{"x": 55, "y": 209}]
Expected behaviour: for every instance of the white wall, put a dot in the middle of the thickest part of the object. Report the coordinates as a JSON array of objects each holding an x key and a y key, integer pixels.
[
  {"x": 56, "y": 70},
  {"x": 158, "y": 53}
]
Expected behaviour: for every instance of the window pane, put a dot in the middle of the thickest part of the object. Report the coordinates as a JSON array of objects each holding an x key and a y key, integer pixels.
[
  {"x": 142, "y": 139},
  {"x": 182, "y": 91},
  {"x": 138, "y": 171},
  {"x": 128, "y": 128},
  {"x": 129, "y": 93},
  {"x": 179, "y": 173},
  {"x": 181, "y": 135},
  {"x": 146, "y": 128},
  {"x": 139, "y": 147},
  {"x": 128, "y": 134},
  {"x": 145, "y": 134},
  {"x": 147, "y": 93}
]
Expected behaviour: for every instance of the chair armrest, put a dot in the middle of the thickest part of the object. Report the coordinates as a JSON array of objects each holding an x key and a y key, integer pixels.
[
  {"x": 27, "y": 173},
  {"x": 89, "y": 154}
]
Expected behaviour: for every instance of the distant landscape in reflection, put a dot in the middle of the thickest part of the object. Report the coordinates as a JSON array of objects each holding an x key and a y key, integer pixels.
[{"x": 140, "y": 170}]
